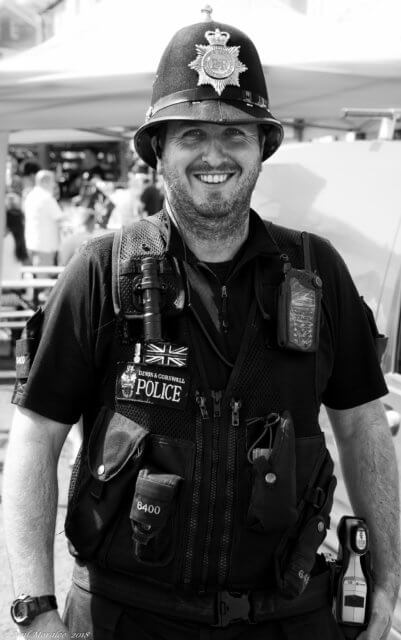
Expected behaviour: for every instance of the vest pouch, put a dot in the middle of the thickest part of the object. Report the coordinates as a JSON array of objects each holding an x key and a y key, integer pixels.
[
  {"x": 152, "y": 515},
  {"x": 296, "y": 555},
  {"x": 103, "y": 474},
  {"x": 273, "y": 499}
]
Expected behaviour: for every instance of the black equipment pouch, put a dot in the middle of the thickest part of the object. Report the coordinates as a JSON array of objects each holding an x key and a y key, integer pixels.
[
  {"x": 299, "y": 305},
  {"x": 102, "y": 476},
  {"x": 296, "y": 554},
  {"x": 273, "y": 499},
  {"x": 26, "y": 346},
  {"x": 152, "y": 515}
]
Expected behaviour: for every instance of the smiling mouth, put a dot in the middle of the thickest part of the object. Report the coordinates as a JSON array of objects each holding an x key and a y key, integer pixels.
[{"x": 213, "y": 178}]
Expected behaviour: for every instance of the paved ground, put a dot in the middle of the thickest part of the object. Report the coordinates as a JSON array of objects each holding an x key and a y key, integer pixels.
[{"x": 63, "y": 561}]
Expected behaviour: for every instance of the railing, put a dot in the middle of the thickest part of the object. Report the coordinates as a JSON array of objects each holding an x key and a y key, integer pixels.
[{"x": 10, "y": 316}]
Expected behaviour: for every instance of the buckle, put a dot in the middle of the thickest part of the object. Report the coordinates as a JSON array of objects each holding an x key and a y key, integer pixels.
[{"x": 232, "y": 607}]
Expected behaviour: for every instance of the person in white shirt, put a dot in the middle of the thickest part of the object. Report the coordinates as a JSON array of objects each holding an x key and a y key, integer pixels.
[{"x": 42, "y": 219}]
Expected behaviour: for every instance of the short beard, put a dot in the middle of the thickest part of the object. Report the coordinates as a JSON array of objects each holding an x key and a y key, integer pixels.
[{"x": 215, "y": 219}]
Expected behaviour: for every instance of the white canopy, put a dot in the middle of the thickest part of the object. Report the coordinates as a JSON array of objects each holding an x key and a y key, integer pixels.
[{"x": 99, "y": 72}]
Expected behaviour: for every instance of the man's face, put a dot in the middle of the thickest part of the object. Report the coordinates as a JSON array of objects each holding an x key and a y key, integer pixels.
[{"x": 210, "y": 170}]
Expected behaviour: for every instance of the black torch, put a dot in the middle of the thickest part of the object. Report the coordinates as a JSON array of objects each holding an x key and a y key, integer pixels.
[{"x": 151, "y": 287}]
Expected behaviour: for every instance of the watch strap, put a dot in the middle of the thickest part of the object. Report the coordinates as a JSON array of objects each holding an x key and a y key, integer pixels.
[
  {"x": 32, "y": 606},
  {"x": 45, "y": 603}
]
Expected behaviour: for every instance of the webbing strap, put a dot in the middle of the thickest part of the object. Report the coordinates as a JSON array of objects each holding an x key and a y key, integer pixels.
[{"x": 306, "y": 249}]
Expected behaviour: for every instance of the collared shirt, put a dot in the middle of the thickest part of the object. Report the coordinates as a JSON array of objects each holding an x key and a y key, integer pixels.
[{"x": 221, "y": 295}]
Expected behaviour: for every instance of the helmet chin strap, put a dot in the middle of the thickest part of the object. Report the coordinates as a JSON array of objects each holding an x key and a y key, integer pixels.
[
  {"x": 171, "y": 216},
  {"x": 170, "y": 211}
]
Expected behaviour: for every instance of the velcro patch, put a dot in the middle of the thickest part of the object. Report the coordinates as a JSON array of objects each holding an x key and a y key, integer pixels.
[
  {"x": 153, "y": 385},
  {"x": 23, "y": 356}
]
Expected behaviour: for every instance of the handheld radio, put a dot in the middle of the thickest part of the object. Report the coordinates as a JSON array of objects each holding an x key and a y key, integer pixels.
[{"x": 353, "y": 580}]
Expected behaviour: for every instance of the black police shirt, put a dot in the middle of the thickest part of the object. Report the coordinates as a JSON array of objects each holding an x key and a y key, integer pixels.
[{"x": 79, "y": 324}]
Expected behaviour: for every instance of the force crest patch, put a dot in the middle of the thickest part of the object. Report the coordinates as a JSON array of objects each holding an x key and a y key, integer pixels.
[{"x": 149, "y": 384}]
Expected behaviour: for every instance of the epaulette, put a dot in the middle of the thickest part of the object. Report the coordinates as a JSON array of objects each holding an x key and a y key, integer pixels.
[{"x": 146, "y": 238}]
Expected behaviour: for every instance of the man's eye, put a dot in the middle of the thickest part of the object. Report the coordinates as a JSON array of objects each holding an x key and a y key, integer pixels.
[
  {"x": 234, "y": 132},
  {"x": 192, "y": 133}
]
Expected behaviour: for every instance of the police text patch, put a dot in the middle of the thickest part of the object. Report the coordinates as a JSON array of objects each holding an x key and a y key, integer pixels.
[{"x": 144, "y": 383}]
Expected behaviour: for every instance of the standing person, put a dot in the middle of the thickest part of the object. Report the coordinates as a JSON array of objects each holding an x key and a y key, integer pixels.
[
  {"x": 42, "y": 220},
  {"x": 90, "y": 166},
  {"x": 85, "y": 229},
  {"x": 28, "y": 171},
  {"x": 205, "y": 486},
  {"x": 151, "y": 198},
  {"x": 14, "y": 247}
]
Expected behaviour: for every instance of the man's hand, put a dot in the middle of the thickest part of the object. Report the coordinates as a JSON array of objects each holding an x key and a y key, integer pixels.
[
  {"x": 381, "y": 618},
  {"x": 46, "y": 626},
  {"x": 369, "y": 466}
]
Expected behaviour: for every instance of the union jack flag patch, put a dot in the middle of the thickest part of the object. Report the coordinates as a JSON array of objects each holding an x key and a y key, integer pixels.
[{"x": 165, "y": 354}]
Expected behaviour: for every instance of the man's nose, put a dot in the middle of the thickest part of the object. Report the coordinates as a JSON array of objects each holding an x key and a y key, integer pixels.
[{"x": 214, "y": 152}]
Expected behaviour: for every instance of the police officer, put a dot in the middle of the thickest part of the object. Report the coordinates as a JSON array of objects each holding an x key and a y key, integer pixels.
[{"x": 199, "y": 345}]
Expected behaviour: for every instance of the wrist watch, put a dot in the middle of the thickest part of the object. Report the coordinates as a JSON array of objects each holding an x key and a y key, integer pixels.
[{"x": 25, "y": 608}]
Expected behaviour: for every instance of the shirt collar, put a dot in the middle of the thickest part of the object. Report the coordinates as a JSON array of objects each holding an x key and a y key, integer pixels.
[{"x": 258, "y": 243}]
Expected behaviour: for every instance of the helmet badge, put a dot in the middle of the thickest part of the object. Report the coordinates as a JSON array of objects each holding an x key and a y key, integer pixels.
[{"x": 217, "y": 64}]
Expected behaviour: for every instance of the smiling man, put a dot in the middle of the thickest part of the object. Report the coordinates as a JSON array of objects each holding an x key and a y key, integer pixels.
[
  {"x": 210, "y": 172},
  {"x": 199, "y": 345}
]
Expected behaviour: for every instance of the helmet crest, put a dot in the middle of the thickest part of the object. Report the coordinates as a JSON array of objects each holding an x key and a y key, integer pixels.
[{"x": 217, "y": 64}]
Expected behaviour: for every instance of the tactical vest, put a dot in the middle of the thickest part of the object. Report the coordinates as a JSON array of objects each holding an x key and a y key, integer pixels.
[{"x": 202, "y": 489}]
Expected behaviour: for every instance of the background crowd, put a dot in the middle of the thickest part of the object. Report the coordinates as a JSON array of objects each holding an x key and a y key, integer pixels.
[{"x": 44, "y": 229}]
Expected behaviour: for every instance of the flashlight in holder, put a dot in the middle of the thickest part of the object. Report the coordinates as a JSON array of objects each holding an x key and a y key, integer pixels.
[
  {"x": 353, "y": 580},
  {"x": 151, "y": 288}
]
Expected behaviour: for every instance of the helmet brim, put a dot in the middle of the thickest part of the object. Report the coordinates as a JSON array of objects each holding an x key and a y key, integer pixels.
[{"x": 215, "y": 111}]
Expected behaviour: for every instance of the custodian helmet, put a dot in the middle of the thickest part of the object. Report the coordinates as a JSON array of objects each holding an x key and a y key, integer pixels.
[{"x": 210, "y": 72}]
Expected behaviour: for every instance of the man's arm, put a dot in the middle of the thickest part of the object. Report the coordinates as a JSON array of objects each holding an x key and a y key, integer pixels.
[
  {"x": 30, "y": 494},
  {"x": 370, "y": 472}
]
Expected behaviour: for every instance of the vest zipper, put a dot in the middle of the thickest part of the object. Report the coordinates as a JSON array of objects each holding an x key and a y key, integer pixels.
[
  {"x": 230, "y": 480},
  {"x": 194, "y": 517},
  {"x": 235, "y": 407},
  {"x": 201, "y": 402},
  {"x": 216, "y": 396},
  {"x": 224, "y": 299}
]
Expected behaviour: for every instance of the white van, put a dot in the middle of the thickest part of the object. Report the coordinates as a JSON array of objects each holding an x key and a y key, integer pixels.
[{"x": 350, "y": 193}]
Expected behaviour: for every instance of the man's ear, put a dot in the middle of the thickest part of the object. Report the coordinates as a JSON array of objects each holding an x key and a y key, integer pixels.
[
  {"x": 155, "y": 145},
  {"x": 262, "y": 148}
]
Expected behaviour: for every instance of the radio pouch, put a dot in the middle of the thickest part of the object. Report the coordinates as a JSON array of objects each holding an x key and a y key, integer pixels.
[{"x": 299, "y": 305}]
